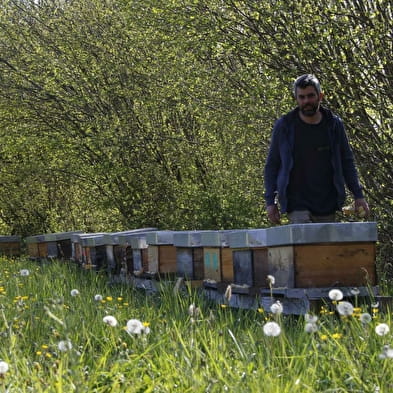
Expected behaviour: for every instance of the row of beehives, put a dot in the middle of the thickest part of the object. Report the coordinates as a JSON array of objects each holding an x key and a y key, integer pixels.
[{"x": 297, "y": 256}]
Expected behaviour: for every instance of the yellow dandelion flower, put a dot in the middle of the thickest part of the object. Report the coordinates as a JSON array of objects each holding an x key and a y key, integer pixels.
[
  {"x": 125, "y": 304},
  {"x": 261, "y": 310},
  {"x": 48, "y": 355},
  {"x": 109, "y": 298},
  {"x": 337, "y": 336},
  {"x": 357, "y": 310},
  {"x": 38, "y": 353},
  {"x": 324, "y": 337},
  {"x": 146, "y": 324},
  {"x": 223, "y": 306},
  {"x": 44, "y": 346},
  {"x": 119, "y": 299}
]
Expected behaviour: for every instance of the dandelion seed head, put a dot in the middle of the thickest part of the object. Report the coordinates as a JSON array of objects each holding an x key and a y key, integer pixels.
[
  {"x": 310, "y": 318},
  {"x": 74, "y": 292},
  {"x": 110, "y": 320},
  {"x": 365, "y": 318},
  {"x": 4, "y": 367},
  {"x": 355, "y": 291},
  {"x": 387, "y": 353},
  {"x": 64, "y": 345},
  {"x": 345, "y": 309},
  {"x": 98, "y": 298},
  {"x": 335, "y": 295},
  {"x": 135, "y": 326},
  {"x": 277, "y": 308},
  {"x": 24, "y": 272},
  {"x": 382, "y": 329},
  {"x": 193, "y": 311},
  {"x": 270, "y": 279},
  {"x": 271, "y": 329}
]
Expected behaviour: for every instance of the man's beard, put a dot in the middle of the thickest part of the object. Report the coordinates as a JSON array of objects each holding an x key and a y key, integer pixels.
[{"x": 309, "y": 110}]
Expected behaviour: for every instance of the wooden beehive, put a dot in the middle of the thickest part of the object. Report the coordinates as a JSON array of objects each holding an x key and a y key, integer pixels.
[
  {"x": 161, "y": 253},
  {"x": 249, "y": 257},
  {"x": 189, "y": 255},
  {"x": 135, "y": 251},
  {"x": 64, "y": 244},
  {"x": 41, "y": 246},
  {"x": 10, "y": 246},
  {"x": 218, "y": 262},
  {"x": 323, "y": 255}
]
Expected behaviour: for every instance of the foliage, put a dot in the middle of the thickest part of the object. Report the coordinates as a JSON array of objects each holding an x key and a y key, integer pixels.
[{"x": 130, "y": 114}]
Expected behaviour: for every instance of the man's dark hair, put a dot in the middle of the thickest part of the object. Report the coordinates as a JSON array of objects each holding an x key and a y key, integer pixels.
[{"x": 306, "y": 80}]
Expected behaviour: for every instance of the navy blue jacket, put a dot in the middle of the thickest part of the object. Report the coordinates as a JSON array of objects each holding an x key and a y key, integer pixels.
[{"x": 279, "y": 161}]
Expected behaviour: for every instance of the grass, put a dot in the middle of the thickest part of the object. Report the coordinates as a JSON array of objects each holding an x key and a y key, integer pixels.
[{"x": 216, "y": 349}]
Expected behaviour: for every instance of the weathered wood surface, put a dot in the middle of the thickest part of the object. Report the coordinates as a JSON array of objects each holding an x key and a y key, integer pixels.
[{"x": 344, "y": 264}]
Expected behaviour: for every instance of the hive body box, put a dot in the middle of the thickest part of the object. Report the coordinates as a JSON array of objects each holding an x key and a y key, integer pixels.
[
  {"x": 189, "y": 255},
  {"x": 90, "y": 250},
  {"x": 116, "y": 249},
  {"x": 161, "y": 253},
  {"x": 10, "y": 246},
  {"x": 217, "y": 257},
  {"x": 133, "y": 252},
  {"x": 250, "y": 255},
  {"x": 323, "y": 255}
]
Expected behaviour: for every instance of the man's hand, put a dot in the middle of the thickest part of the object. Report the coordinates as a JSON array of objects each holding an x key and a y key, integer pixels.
[
  {"x": 273, "y": 214},
  {"x": 361, "y": 208}
]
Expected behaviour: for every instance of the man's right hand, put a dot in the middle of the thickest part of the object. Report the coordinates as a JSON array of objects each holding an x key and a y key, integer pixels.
[{"x": 273, "y": 214}]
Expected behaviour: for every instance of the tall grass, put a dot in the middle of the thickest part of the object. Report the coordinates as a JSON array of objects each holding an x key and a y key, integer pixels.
[{"x": 208, "y": 348}]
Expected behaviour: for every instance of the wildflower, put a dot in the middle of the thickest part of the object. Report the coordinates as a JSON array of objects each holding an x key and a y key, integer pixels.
[
  {"x": 24, "y": 272},
  {"x": 324, "y": 337},
  {"x": 98, "y": 298},
  {"x": 228, "y": 293},
  {"x": 135, "y": 326},
  {"x": 3, "y": 367},
  {"x": 146, "y": 325},
  {"x": 335, "y": 295},
  {"x": 365, "y": 318},
  {"x": 387, "y": 353},
  {"x": 345, "y": 308},
  {"x": 382, "y": 329},
  {"x": 270, "y": 280},
  {"x": 223, "y": 305},
  {"x": 276, "y": 308},
  {"x": 310, "y": 327},
  {"x": 271, "y": 329},
  {"x": 261, "y": 310},
  {"x": 337, "y": 336},
  {"x": 64, "y": 345},
  {"x": 74, "y": 292},
  {"x": 193, "y": 311},
  {"x": 109, "y": 298},
  {"x": 110, "y": 320},
  {"x": 355, "y": 291},
  {"x": 310, "y": 318}
]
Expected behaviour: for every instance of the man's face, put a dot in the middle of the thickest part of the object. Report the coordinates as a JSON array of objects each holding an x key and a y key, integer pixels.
[{"x": 308, "y": 100}]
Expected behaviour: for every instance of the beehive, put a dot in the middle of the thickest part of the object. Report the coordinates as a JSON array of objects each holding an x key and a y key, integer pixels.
[
  {"x": 323, "y": 254},
  {"x": 161, "y": 253},
  {"x": 10, "y": 246}
]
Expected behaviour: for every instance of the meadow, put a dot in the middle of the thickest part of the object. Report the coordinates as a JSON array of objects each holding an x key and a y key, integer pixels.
[{"x": 63, "y": 329}]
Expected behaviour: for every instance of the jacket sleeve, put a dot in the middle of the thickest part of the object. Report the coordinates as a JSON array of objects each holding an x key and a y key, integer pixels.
[
  {"x": 272, "y": 166},
  {"x": 348, "y": 165}
]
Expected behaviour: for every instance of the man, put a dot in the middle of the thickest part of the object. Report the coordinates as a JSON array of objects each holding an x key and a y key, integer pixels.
[{"x": 310, "y": 161}]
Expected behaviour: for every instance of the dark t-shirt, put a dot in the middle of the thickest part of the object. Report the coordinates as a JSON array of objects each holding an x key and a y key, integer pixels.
[{"x": 311, "y": 184}]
